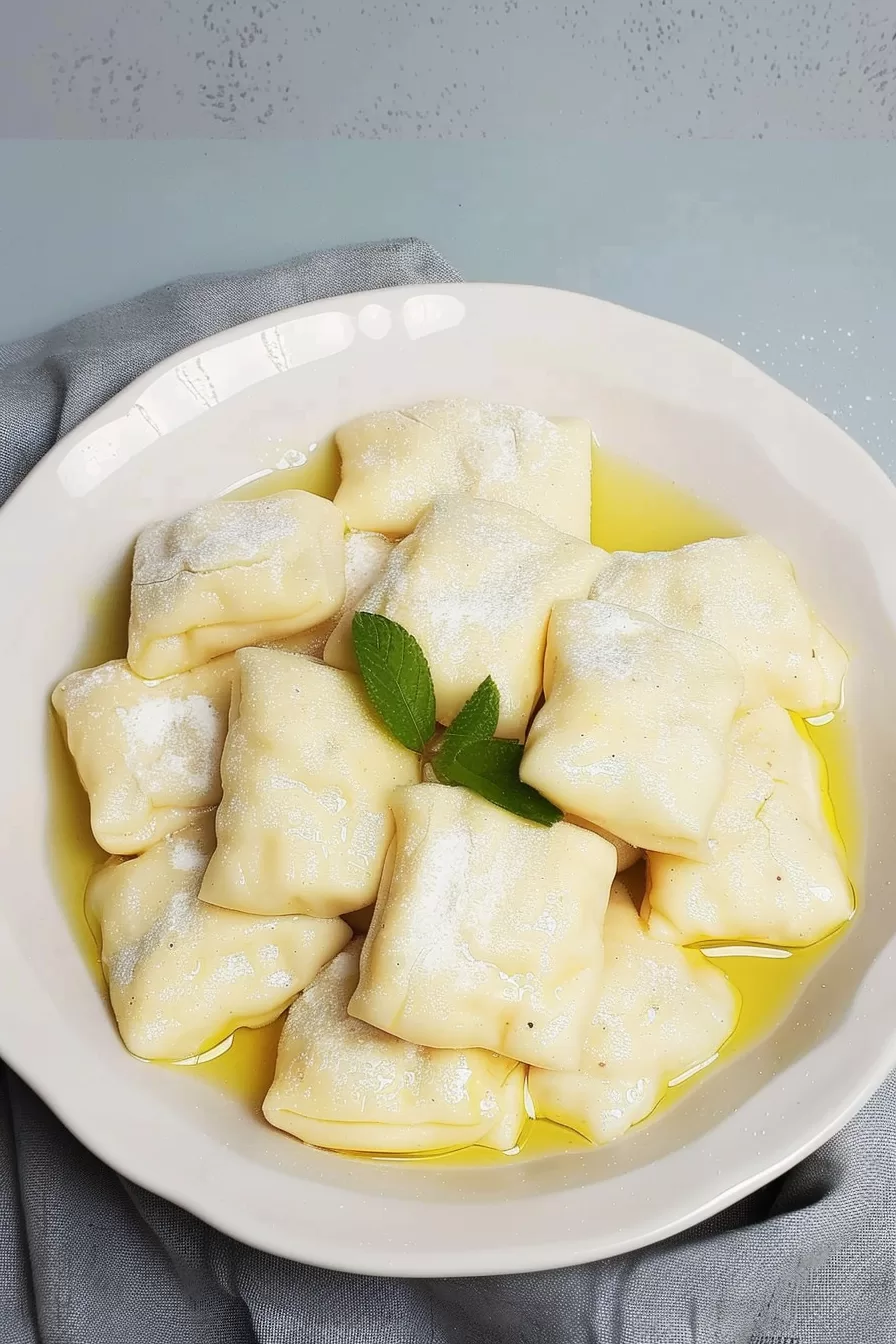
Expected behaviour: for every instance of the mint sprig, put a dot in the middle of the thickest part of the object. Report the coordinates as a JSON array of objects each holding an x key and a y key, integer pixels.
[
  {"x": 396, "y": 677},
  {"x": 399, "y": 684},
  {"x": 492, "y": 769},
  {"x": 477, "y": 721}
]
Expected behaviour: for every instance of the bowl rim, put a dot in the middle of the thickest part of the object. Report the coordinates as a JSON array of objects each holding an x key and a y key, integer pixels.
[{"x": 579, "y": 1245}]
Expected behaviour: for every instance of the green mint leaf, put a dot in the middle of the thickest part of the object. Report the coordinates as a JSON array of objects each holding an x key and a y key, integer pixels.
[
  {"x": 396, "y": 677},
  {"x": 492, "y": 769},
  {"x": 476, "y": 722}
]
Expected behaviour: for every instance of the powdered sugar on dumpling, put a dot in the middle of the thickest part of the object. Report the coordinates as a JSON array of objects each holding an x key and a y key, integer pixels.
[
  {"x": 474, "y": 583},
  {"x": 216, "y": 535},
  {"x": 182, "y": 974},
  {"x": 148, "y": 752},
  {"x": 341, "y": 1083},
  {"x": 231, "y": 573},
  {"x": 366, "y": 554},
  {"x": 395, "y": 463}
]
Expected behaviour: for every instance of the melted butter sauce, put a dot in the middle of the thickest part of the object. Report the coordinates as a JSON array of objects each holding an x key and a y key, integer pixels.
[{"x": 632, "y": 509}]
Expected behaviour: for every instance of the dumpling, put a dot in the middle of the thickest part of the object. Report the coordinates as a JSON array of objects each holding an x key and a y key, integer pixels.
[
  {"x": 182, "y": 975},
  {"x": 626, "y": 855},
  {"x": 741, "y": 592},
  {"x": 230, "y": 573},
  {"x": 395, "y": 463},
  {"x": 475, "y": 584},
  {"x": 365, "y": 555},
  {"x": 308, "y": 771},
  {"x": 487, "y": 930},
  {"x": 340, "y": 1083},
  {"x": 774, "y": 874},
  {"x": 662, "y": 1010},
  {"x": 147, "y": 752},
  {"x": 635, "y": 730}
]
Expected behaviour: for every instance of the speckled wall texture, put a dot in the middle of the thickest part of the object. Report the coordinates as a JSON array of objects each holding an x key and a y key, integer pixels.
[{"x": 405, "y": 69}]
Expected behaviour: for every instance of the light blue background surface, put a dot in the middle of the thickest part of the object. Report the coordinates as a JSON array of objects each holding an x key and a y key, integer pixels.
[
  {"x": 404, "y": 69},
  {"x": 785, "y": 251}
]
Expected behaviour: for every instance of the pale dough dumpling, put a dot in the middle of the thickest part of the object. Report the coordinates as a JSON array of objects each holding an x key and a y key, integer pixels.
[
  {"x": 662, "y": 1010},
  {"x": 230, "y": 573},
  {"x": 635, "y": 730},
  {"x": 340, "y": 1083},
  {"x": 740, "y": 592},
  {"x": 182, "y": 975},
  {"x": 487, "y": 930},
  {"x": 774, "y": 875},
  {"x": 147, "y": 752},
  {"x": 626, "y": 855},
  {"x": 308, "y": 771},
  {"x": 365, "y": 555},
  {"x": 475, "y": 583},
  {"x": 395, "y": 463}
]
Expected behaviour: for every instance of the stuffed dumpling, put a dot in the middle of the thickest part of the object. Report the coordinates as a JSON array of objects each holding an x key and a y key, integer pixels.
[
  {"x": 475, "y": 583},
  {"x": 183, "y": 975},
  {"x": 395, "y": 463},
  {"x": 662, "y": 1010},
  {"x": 340, "y": 1083},
  {"x": 230, "y": 573},
  {"x": 147, "y": 752},
  {"x": 740, "y": 592},
  {"x": 634, "y": 732},
  {"x": 774, "y": 872},
  {"x": 487, "y": 929},
  {"x": 308, "y": 771}
]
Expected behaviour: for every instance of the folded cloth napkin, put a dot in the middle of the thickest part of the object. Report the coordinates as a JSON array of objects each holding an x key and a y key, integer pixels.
[{"x": 88, "y": 1258}]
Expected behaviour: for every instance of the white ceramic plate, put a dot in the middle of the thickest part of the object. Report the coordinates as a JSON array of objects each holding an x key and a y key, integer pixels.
[{"x": 251, "y": 398}]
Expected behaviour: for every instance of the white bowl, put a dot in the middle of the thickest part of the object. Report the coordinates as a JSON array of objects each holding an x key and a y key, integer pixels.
[{"x": 243, "y": 401}]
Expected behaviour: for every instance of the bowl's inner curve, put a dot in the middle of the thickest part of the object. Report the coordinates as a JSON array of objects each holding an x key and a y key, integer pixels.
[{"x": 633, "y": 509}]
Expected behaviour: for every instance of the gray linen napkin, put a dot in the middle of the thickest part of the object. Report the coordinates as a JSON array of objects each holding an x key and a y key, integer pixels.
[{"x": 88, "y": 1258}]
